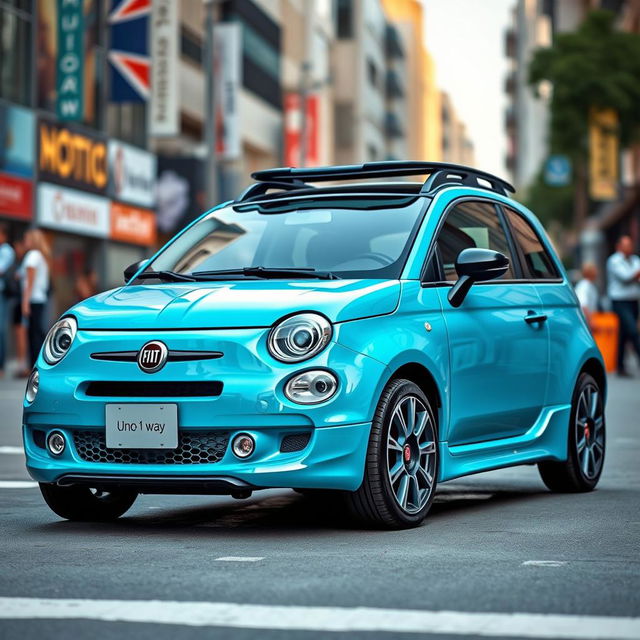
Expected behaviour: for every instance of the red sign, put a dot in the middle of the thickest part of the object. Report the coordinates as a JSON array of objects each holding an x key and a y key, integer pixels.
[
  {"x": 16, "y": 197},
  {"x": 133, "y": 224},
  {"x": 293, "y": 131}
]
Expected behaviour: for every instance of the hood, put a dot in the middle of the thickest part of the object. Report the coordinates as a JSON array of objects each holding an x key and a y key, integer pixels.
[{"x": 250, "y": 303}]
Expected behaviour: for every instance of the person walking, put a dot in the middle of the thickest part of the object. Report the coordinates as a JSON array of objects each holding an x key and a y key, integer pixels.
[
  {"x": 19, "y": 327},
  {"x": 7, "y": 262},
  {"x": 623, "y": 274},
  {"x": 35, "y": 289},
  {"x": 586, "y": 290}
]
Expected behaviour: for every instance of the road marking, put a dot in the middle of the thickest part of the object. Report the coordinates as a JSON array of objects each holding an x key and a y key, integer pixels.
[
  {"x": 17, "y": 484},
  {"x": 544, "y": 563},
  {"x": 12, "y": 450},
  {"x": 287, "y": 618},
  {"x": 239, "y": 558}
]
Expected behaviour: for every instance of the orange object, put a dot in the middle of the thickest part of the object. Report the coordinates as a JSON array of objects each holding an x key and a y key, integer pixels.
[{"x": 605, "y": 327}]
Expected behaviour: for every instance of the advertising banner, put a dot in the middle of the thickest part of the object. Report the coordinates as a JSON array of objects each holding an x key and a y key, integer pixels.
[
  {"x": 603, "y": 154},
  {"x": 164, "y": 109},
  {"x": 72, "y": 158},
  {"x": 129, "y": 62},
  {"x": 293, "y": 123},
  {"x": 228, "y": 74},
  {"x": 132, "y": 174},
  {"x": 16, "y": 197},
  {"x": 73, "y": 211},
  {"x": 17, "y": 141},
  {"x": 70, "y": 60},
  {"x": 133, "y": 225}
]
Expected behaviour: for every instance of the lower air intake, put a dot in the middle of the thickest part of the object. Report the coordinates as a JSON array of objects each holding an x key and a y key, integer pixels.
[{"x": 294, "y": 442}]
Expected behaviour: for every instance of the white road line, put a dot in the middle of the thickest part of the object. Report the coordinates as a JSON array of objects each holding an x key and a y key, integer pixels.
[
  {"x": 544, "y": 563},
  {"x": 17, "y": 484},
  {"x": 239, "y": 558},
  {"x": 12, "y": 450},
  {"x": 285, "y": 618}
]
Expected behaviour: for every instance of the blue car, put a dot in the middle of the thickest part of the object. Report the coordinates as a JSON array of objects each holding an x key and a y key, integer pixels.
[{"x": 332, "y": 332}]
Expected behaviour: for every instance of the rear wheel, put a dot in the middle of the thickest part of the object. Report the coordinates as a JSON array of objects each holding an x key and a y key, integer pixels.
[
  {"x": 83, "y": 504},
  {"x": 402, "y": 460},
  {"x": 586, "y": 447}
]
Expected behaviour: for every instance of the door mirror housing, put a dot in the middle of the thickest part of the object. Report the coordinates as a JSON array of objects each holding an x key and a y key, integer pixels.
[
  {"x": 132, "y": 269},
  {"x": 476, "y": 265}
]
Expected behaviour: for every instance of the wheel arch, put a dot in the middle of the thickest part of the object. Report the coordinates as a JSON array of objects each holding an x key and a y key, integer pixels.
[{"x": 594, "y": 367}]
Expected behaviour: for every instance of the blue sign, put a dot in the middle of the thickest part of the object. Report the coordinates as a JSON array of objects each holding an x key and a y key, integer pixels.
[
  {"x": 557, "y": 171},
  {"x": 17, "y": 140}
]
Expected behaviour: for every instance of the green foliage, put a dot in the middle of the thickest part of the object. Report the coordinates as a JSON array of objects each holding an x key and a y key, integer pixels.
[
  {"x": 550, "y": 204},
  {"x": 595, "y": 66}
]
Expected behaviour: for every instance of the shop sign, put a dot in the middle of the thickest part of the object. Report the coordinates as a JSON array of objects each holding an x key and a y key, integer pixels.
[
  {"x": 70, "y": 60},
  {"x": 17, "y": 137},
  {"x": 132, "y": 174},
  {"x": 293, "y": 114},
  {"x": 132, "y": 224},
  {"x": 73, "y": 211},
  {"x": 603, "y": 154},
  {"x": 16, "y": 197},
  {"x": 71, "y": 158}
]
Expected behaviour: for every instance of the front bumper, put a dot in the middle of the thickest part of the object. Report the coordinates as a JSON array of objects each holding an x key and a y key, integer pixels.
[{"x": 252, "y": 401}]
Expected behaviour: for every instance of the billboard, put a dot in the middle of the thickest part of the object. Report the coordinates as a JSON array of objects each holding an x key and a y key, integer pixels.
[
  {"x": 17, "y": 141},
  {"x": 228, "y": 79},
  {"x": 164, "y": 108},
  {"x": 293, "y": 131},
  {"x": 129, "y": 62},
  {"x": 70, "y": 60},
  {"x": 73, "y": 211},
  {"x": 71, "y": 158},
  {"x": 132, "y": 174}
]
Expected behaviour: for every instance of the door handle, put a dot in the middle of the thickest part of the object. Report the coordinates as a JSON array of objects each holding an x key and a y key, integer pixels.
[{"x": 535, "y": 318}]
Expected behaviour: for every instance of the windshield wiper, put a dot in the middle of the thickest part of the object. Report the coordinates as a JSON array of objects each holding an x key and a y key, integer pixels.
[
  {"x": 167, "y": 276},
  {"x": 270, "y": 272}
]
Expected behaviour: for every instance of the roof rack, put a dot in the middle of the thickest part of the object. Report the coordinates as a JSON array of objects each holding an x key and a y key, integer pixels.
[{"x": 439, "y": 173}]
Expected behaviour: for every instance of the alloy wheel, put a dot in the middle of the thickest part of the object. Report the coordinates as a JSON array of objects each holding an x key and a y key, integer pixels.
[{"x": 590, "y": 436}]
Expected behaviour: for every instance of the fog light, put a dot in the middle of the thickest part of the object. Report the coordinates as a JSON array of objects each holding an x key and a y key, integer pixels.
[
  {"x": 33, "y": 384},
  {"x": 56, "y": 443},
  {"x": 243, "y": 445},
  {"x": 311, "y": 387}
]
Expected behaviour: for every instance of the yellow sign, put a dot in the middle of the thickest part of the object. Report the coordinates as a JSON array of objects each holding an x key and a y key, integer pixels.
[{"x": 603, "y": 154}]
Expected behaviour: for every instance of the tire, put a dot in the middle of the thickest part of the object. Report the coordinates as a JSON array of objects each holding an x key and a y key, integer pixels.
[
  {"x": 83, "y": 504},
  {"x": 586, "y": 442},
  {"x": 401, "y": 471}
]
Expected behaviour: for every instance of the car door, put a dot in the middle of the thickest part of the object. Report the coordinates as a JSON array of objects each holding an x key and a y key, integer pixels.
[{"x": 498, "y": 357}]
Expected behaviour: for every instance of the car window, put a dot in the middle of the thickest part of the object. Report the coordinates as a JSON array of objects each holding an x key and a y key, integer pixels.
[
  {"x": 469, "y": 225},
  {"x": 538, "y": 264}
]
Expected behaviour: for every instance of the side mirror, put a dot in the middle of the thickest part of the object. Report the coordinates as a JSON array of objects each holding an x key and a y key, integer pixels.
[
  {"x": 476, "y": 265},
  {"x": 132, "y": 269}
]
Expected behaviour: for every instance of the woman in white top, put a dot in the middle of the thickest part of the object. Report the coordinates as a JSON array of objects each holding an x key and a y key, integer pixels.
[{"x": 34, "y": 272}]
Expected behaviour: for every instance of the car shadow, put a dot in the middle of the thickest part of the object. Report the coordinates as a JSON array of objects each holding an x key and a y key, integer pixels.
[{"x": 288, "y": 513}]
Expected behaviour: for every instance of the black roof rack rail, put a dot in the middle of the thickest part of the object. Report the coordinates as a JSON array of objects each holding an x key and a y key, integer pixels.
[
  {"x": 260, "y": 188},
  {"x": 450, "y": 173}
]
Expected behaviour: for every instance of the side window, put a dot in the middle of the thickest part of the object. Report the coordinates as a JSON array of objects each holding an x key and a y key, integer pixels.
[
  {"x": 469, "y": 225},
  {"x": 538, "y": 264}
]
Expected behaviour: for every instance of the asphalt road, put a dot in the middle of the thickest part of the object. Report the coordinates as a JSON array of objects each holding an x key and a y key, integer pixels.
[{"x": 497, "y": 543}]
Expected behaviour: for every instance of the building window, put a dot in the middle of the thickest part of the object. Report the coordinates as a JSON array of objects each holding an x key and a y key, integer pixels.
[
  {"x": 344, "y": 125},
  {"x": 191, "y": 46},
  {"x": 344, "y": 19},
  {"x": 16, "y": 18},
  {"x": 372, "y": 73}
]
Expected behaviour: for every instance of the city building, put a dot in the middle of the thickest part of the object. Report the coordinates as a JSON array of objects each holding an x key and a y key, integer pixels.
[{"x": 457, "y": 147}]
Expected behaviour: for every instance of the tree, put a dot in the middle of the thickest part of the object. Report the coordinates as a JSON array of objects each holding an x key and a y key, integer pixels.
[{"x": 595, "y": 66}]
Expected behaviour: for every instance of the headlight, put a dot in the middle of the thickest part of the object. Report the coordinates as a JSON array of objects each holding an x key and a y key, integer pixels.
[
  {"x": 33, "y": 384},
  {"x": 311, "y": 387},
  {"x": 59, "y": 340},
  {"x": 299, "y": 337}
]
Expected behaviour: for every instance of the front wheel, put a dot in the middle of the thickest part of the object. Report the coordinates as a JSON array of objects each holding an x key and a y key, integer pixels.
[
  {"x": 586, "y": 446},
  {"x": 401, "y": 467},
  {"x": 83, "y": 504}
]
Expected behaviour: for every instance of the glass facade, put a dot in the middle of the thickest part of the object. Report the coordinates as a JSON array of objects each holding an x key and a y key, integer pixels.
[{"x": 16, "y": 28}]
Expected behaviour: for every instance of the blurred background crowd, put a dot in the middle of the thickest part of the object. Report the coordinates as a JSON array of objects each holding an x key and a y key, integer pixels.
[{"x": 108, "y": 110}]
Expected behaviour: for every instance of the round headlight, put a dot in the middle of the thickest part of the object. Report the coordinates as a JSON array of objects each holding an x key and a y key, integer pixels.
[
  {"x": 33, "y": 384},
  {"x": 311, "y": 387},
  {"x": 299, "y": 337},
  {"x": 59, "y": 340}
]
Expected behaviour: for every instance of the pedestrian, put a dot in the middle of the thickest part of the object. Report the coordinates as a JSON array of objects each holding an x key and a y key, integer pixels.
[
  {"x": 19, "y": 327},
  {"x": 35, "y": 289},
  {"x": 7, "y": 263},
  {"x": 623, "y": 273},
  {"x": 586, "y": 290}
]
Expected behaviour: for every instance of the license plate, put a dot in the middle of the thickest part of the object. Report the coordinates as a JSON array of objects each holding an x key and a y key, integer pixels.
[{"x": 141, "y": 426}]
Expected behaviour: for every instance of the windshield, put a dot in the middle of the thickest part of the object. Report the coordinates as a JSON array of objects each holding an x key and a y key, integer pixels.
[{"x": 363, "y": 238}]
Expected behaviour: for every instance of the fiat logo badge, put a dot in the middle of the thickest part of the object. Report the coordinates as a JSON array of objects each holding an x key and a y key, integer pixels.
[{"x": 153, "y": 356}]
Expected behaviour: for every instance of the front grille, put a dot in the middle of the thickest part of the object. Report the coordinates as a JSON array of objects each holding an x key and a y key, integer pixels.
[
  {"x": 154, "y": 389},
  {"x": 294, "y": 442},
  {"x": 198, "y": 447}
]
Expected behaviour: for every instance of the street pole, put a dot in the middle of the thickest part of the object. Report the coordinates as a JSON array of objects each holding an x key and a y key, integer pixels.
[{"x": 211, "y": 174}]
